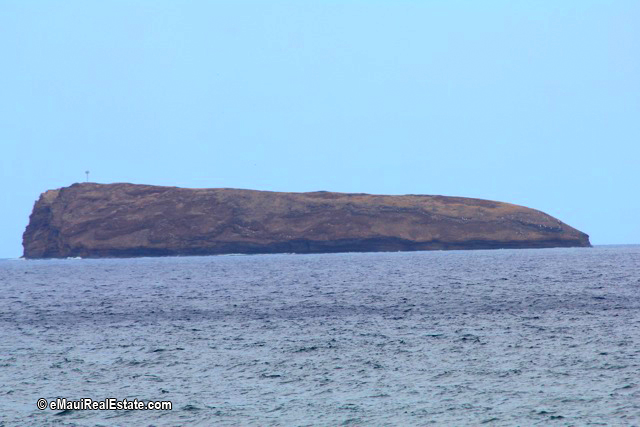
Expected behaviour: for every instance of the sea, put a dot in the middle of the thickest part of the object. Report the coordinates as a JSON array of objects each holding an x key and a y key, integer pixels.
[{"x": 547, "y": 337}]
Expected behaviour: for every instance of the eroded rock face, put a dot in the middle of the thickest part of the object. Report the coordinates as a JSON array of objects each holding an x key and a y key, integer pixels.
[{"x": 123, "y": 220}]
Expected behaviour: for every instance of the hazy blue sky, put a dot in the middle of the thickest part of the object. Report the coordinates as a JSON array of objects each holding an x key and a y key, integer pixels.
[{"x": 531, "y": 102}]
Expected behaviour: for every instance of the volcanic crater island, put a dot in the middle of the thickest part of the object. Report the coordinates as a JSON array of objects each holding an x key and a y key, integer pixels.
[{"x": 93, "y": 220}]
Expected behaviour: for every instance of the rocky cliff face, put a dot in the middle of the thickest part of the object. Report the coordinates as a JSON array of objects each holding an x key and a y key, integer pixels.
[{"x": 123, "y": 220}]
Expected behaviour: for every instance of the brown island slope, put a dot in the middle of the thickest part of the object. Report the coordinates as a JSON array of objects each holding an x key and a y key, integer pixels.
[{"x": 125, "y": 220}]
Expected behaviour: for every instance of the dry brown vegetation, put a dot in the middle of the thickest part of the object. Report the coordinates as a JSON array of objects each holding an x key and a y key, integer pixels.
[{"x": 93, "y": 220}]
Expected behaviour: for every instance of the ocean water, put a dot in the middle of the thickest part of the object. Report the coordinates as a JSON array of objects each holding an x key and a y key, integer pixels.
[{"x": 504, "y": 337}]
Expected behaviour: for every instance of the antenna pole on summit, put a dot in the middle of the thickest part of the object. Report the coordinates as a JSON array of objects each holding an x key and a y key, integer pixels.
[{"x": 87, "y": 172}]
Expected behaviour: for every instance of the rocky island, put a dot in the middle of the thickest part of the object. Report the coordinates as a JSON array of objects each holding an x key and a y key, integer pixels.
[{"x": 128, "y": 220}]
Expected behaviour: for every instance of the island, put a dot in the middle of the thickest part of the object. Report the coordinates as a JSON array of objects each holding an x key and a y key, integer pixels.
[{"x": 91, "y": 220}]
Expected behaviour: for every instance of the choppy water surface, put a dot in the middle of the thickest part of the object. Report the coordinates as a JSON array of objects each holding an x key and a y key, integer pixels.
[{"x": 507, "y": 337}]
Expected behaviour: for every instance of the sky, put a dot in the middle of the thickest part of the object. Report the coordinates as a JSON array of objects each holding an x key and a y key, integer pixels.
[{"x": 532, "y": 103}]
